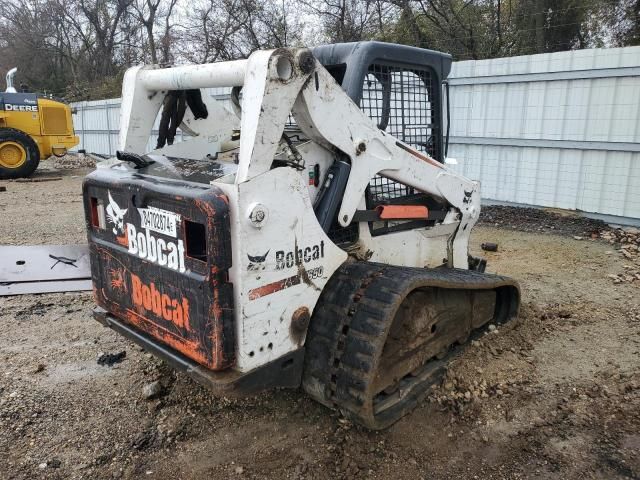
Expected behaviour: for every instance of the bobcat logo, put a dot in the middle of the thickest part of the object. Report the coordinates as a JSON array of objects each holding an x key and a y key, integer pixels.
[
  {"x": 117, "y": 279},
  {"x": 116, "y": 215},
  {"x": 257, "y": 262}
]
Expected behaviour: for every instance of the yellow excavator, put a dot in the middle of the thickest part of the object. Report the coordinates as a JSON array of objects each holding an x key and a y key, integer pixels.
[{"x": 32, "y": 126}]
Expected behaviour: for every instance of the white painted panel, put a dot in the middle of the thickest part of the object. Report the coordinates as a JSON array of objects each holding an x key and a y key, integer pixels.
[
  {"x": 631, "y": 200},
  {"x": 577, "y": 111},
  {"x": 514, "y": 104}
]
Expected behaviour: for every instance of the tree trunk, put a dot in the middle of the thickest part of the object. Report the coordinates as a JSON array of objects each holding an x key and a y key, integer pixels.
[{"x": 539, "y": 23}]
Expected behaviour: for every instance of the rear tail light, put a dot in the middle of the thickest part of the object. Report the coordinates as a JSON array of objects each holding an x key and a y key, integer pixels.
[{"x": 98, "y": 218}]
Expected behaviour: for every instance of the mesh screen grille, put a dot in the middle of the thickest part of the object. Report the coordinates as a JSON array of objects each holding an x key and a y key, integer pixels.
[{"x": 399, "y": 100}]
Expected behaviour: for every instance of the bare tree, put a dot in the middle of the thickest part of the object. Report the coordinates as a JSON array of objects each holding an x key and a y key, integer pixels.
[
  {"x": 621, "y": 19},
  {"x": 104, "y": 18},
  {"x": 146, "y": 11},
  {"x": 81, "y": 48},
  {"x": 229, "y": 29},
  {"x": 151, "y": 14},
  {"x": 31, "y": 39},
  {"x": 351, "y": 20},
  {"x": 167, "y": 38}
]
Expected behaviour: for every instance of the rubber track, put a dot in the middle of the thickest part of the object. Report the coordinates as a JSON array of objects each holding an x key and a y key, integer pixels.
[{"x": 351, "y": 322}]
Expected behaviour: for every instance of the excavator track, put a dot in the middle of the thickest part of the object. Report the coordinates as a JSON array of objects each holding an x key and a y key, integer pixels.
[{"x": 382, "y": 335}]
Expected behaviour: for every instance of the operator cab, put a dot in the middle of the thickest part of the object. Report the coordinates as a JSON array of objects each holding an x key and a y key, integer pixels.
[{"x": 398, "y": 86}]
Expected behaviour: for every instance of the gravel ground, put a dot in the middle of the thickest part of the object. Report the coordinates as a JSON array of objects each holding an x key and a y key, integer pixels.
[
  {"x": 554, "y": 394},
  {"x": 536, "y": 220}
]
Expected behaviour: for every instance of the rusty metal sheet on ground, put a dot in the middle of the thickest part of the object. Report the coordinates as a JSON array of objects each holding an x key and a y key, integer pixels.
[
  {"x": 44, "y": 268},
  {"x": 53, "y": 286}
]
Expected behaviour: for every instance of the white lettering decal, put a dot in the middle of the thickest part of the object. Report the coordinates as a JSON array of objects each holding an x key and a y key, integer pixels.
[
  {"x": 159, "y": 220},
  {"x": 156, "y": 250},
  {"x": 143, "y": 243},
  {"x": 20, "y": 108}
]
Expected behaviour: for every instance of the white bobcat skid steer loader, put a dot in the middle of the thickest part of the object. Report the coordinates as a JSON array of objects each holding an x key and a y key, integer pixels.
[{"x": 305, "y": 233}]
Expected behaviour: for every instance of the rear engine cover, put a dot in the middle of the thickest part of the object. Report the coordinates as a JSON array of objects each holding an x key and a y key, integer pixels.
[{"x": 160, "y": 254}]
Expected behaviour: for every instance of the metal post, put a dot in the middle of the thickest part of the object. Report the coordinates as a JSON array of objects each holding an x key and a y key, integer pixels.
[
  {"x": 82, "y": 110},
  {"x": 106, "y": 104}
]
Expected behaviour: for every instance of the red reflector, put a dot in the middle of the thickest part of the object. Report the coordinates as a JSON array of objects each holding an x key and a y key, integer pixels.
[
  {"x": 95, "y": 221},
  {"x": 97, "y": 213}
]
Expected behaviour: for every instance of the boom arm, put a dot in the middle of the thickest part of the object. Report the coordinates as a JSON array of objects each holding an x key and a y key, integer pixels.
[
  {"x": 327, "y": 114},
  {"x": 280, "y": 81}
]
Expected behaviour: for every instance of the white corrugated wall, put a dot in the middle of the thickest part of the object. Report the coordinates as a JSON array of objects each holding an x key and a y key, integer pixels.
[
  {"x": 98, "y": 123},
  {"x": 555, "y": 130}
]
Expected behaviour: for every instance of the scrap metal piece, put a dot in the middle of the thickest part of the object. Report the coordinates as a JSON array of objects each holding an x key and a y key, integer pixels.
[
  {"x": 98, "y": 157},
  {"x": 53, "y": 286},
  {"x": 44, "y": 268},
  {"x": 44, "y": 262},
  {"x": 65, "y": 260},
  {"x": 489, "y": 247},
  {"x": 37, "y": 179}
]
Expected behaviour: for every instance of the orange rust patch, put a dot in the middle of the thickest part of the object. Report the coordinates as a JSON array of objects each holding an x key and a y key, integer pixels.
[
  {"x": 217, "y": 338},
  {"x": 191, "y": 348},
  {"x": 117, "y": 279},
  {"x": 123, "y": 240},
  {"x": 205, "y": 207},
  {"x": 419, "y": 155}
]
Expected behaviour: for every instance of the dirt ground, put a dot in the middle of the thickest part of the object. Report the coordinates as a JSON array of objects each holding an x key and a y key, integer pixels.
[{"x": 554, "y": 394}]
